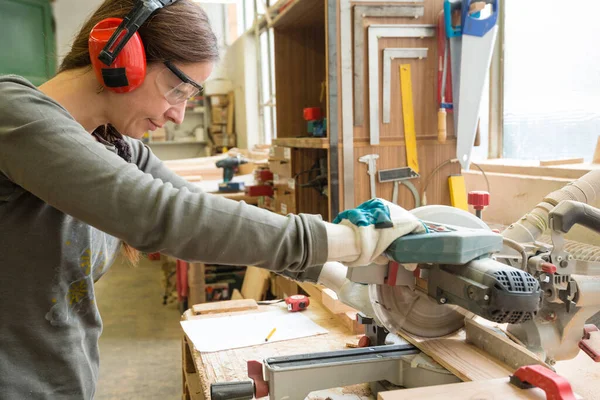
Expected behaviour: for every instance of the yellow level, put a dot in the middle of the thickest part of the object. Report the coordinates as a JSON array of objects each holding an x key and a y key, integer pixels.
[
  {"x": 408, "y": 114},
  {"x": 458, "y": 192}
]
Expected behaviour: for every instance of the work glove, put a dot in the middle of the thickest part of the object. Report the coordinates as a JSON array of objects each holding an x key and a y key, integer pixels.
[{"x": 360, "y": 236}]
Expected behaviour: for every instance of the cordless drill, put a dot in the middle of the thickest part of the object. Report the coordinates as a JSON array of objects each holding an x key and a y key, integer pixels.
[{"x": 230, "y": 166}]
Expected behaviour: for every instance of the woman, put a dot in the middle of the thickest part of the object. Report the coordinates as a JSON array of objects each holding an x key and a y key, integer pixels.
[{"x": 76, "y": 183}]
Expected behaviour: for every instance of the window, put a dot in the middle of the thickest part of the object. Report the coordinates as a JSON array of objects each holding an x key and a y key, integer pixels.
[
  {"x": 551, "y": 80},
  {"x": 267, "y": 71}
]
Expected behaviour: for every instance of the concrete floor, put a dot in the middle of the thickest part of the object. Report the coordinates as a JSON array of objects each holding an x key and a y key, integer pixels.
[{"x": 140, "y": 348}]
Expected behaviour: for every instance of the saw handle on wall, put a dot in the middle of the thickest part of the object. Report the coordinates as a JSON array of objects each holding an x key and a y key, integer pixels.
[
  {"x": 474, "y": 26},
  {"x": 442, "y": 125},
  {"x": 568, "y": 213}
]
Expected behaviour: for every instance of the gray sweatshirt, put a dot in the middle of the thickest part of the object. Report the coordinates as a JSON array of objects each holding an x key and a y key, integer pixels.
[{"x": 66, "y": 203}]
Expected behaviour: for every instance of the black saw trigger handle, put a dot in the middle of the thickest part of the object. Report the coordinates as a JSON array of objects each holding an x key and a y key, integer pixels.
[{"x": 568, "y": 213}]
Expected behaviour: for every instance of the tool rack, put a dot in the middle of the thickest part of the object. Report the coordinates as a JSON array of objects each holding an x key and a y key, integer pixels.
[{"x": 327, "y": 41}]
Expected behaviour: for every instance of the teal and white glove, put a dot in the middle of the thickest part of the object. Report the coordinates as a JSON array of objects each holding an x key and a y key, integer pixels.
[{"x": 360, "y": 236}]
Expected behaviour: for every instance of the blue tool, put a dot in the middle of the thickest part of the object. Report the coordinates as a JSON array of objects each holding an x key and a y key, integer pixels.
[{"x": 230, "y": 166}]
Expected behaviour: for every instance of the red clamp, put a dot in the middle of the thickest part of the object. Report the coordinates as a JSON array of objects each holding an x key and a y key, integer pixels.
[
  {"x": 555, "y": 386},
  {"x": 297, "y": 302},
  {"x": 259, "y": 190},
  {"x": 255, "y": 372},
  {"x": 590, "y": 343}
]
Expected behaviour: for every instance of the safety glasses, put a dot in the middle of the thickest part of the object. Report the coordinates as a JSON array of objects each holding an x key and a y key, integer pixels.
[{"x": 175, "y": 85}]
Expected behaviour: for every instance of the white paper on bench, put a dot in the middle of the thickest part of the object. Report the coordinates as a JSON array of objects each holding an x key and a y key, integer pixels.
[{"x": 244, "y": 330}]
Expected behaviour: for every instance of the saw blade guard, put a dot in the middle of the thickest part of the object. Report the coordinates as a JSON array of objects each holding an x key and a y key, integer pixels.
[{"x": 403, "y": 308}]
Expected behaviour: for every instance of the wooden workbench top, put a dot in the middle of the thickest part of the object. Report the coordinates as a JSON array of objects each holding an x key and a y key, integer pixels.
[
  {"x": 238, "y": 196},
  {"x": 230, "y": 365}
]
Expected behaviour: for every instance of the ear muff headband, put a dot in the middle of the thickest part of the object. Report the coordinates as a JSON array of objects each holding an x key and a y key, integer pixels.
[{"x": 116, "y": 49}]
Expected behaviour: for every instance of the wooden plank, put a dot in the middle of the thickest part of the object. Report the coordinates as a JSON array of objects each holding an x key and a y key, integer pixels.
[
  {"x": 287, "y": 287},
  {"x": 564, "y": 172},
  {"x": 193, "y": 386},
  {"x": 330, "y": 300},
  {"x": 236, "y": 295},
  {"x": 256, "y": 282},
  {"x": 349, "y": 320},
  {"x": 302, "y": 142},
  {"x": 493, "y": 389},
  {"x": 566, "y": 161},
  {"x": 464, "y": 360},
  {"x": 499, "y": 346},
  {"x": 224, "y": 306}
]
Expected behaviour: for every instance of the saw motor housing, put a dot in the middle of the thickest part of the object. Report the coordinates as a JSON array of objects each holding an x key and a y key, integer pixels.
[
  {"x": 487, "y": 288},
  {"x": 454, "y": 266}
]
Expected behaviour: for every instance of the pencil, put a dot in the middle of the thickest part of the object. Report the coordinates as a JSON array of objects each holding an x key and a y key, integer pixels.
[{"x": 270, "y": 334}]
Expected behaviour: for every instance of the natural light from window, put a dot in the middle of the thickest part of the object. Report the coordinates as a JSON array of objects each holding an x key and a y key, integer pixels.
[{"x": 551, "y": 79}]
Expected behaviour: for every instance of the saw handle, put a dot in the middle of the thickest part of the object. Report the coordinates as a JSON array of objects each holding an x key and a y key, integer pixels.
[
  {"x": 442, "y": 125},
  {"x": 568, "y": 213}
]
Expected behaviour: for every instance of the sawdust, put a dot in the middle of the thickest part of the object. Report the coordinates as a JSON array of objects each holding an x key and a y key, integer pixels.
[{"x": 361, "y": 390}]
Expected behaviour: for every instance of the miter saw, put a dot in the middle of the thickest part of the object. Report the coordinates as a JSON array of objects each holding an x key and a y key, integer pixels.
[
  {"x": 460, "y": 267},
  {"x": 545, "y": 292}
]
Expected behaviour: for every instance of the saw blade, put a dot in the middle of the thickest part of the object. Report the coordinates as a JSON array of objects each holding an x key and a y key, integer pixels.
[
  {"x": 408, "y": 309},
  {"x": 402, "y": 308}
]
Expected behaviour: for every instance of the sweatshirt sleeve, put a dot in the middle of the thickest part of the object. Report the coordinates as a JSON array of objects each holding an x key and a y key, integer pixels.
[
  {"x": 150, "y": 164},
  {"x": 50, "y": 155}
]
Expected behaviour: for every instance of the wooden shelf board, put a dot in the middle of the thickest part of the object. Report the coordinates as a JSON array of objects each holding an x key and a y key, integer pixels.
[
  {"x": 300, "y": 13},
  {"x": 303, "y": 142}
]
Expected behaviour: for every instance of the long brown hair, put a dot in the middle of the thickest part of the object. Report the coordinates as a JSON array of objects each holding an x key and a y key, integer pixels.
[{"x": 180, "y": 32}]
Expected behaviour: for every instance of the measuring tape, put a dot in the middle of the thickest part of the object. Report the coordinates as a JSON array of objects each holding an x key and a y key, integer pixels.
[{"x": 297, "y": 303}]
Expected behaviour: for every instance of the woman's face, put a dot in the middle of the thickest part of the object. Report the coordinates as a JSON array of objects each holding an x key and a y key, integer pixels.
[{"x": 151, "y": 105}]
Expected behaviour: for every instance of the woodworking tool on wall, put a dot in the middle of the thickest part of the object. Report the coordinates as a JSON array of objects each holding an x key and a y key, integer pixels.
[
  {"x": 230, "y": 166},
  {"x": 401, "y": 176},
  {"x": 444, "y": 88},
  {"x": 376, "y": 32},
  {"x": 370, "y": 160},
  {"x": 408, "y": 114},
  {"x": 452, "y": 24},
  {"x": 479, "y": 31},
  {"x": 389, "y": 55}
]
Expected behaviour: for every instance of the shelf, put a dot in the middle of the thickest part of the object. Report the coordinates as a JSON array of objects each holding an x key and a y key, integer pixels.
[
  {"x": 303, "y": 143},
  {"x": 195, "y": 110},
  {"x": 300, "y": 14},
  {"x": 174, "y": 143}
]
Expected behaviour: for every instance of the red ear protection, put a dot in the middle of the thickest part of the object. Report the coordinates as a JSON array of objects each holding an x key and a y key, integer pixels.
[{"x": 128, "y": 70}]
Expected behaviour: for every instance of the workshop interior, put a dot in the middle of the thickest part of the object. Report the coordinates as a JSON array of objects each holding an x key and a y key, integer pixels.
[{"x": 479, "y": 117}]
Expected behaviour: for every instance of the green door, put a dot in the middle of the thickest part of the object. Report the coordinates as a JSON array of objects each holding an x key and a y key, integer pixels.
[{"x": 27, "y": 45}]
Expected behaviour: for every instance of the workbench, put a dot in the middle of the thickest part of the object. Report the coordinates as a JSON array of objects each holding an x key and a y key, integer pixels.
[
  {"x": 200, "y": 370},
  {"x": 238, "y": 196}
]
